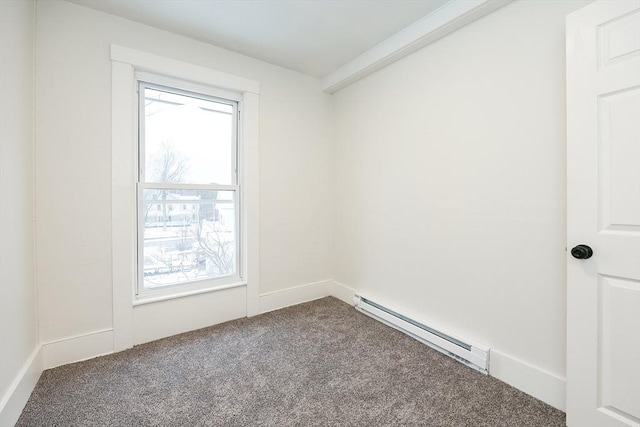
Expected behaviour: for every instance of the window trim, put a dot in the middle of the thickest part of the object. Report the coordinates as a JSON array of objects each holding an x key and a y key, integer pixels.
[{"x": 125, "y": 63}]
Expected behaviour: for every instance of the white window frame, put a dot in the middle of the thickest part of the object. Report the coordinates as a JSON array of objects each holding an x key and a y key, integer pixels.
[
  {"x": 176, "y": 86},
  {"x": 125, "y": 64}
]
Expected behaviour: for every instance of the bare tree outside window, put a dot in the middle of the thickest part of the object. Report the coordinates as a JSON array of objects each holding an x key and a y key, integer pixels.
[{"x": 168, "y": 165}]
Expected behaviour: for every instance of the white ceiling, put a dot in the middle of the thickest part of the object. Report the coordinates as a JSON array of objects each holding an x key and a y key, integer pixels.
[{"x": 314, "y": 37}]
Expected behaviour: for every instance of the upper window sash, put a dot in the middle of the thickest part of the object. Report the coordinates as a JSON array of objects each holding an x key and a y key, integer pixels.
[{"x": 205, "y": 95}]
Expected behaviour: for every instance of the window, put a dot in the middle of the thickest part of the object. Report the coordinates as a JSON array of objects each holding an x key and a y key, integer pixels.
[
  {"x": 206, "y": 298},
  {"x": 188, "y": 189}
]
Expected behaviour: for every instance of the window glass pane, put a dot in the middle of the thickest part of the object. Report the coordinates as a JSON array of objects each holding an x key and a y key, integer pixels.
[
  {"x": 187, "y": 139},
  {"x": 188, "y": 235}
]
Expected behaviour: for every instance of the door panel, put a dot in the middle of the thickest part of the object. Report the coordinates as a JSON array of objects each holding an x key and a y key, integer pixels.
[
  {"x": 603, "y": 211},
  {"x": 619, "y": 153},
  {"x": 619, "y": 346},
  {"x": 619, "y": 38}
]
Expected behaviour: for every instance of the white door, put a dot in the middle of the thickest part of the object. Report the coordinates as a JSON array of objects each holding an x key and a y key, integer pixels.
[{"x": 603, "y": 212}]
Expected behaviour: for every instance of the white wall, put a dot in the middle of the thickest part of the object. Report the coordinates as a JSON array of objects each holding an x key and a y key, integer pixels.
[
  {"x": 450, "y": 183},
  {"x": 73, "y": 185},
  {"x": 18, "y": 337}
]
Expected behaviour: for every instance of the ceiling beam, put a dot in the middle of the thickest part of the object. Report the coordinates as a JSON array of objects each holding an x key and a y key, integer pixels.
[{"x": 453, "y": 15}]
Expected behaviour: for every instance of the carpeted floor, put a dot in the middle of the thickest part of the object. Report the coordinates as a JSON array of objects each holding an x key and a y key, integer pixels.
[{"x": 317, "y": 364}]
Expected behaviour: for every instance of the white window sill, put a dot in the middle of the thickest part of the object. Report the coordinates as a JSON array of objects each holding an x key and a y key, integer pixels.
[{"x": 150, "y": 299}]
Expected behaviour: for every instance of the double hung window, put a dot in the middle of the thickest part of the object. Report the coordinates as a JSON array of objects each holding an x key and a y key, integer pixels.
[{"x": 188, "y": 190}]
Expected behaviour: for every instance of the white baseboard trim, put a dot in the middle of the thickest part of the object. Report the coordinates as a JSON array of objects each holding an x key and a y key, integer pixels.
[
  {"x": 342, "y": 292},
  {"x": 530, "y": 379},
  {"x": 17, "y": 395},
  {"x": 295, "y": 295},
  {"x": 76, "y": 349}
]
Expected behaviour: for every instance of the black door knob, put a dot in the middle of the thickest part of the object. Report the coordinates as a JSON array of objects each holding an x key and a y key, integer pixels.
[{"x": 582, "y": 252}]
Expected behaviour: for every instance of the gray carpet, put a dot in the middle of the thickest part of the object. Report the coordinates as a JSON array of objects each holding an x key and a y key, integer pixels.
[{"x": 317, "y": 364}]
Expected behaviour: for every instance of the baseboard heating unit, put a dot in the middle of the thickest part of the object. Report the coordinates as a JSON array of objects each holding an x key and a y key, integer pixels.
[{"x": 472, "y": 355}]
